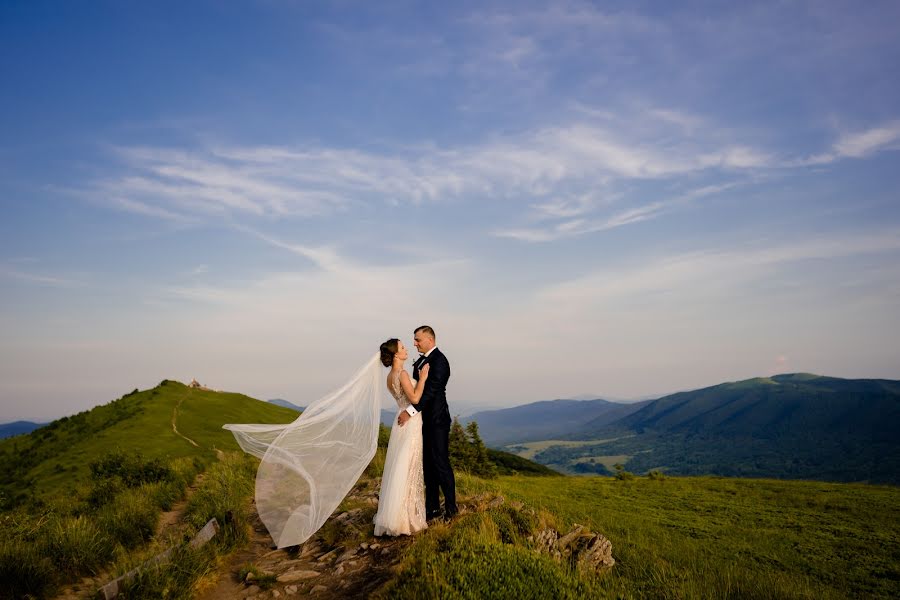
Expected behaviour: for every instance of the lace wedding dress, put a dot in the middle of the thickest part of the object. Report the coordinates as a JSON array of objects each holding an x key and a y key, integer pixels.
[{"x": 401, "y": 502}]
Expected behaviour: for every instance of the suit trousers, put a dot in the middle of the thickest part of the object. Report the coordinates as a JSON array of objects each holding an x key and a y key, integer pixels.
[{"x": 438, "y": 472}]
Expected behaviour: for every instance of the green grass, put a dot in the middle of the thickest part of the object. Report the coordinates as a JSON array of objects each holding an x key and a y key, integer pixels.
[
  {"x": 25, "y": 570},
  {"x": 701, "y": 537},
  {"x": 224, "y": 495},
  {"x": 130, "y": 519},
  {"x": 78, "y": 545},
  {"x": 484, "y": 555},
  {"x": 174, "y": 580},
  {"x": 64, "y": 537}
]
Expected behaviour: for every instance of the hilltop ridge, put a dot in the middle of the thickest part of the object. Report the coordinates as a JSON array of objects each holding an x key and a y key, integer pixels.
[{"x": 161, "y": 422}]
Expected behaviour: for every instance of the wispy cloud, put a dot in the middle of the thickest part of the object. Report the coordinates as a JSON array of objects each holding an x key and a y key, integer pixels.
[
  {"x": 565, "y": 208},
  {"x": 141, "y": 208},
  {"x": 865, "y": 143},
  {"x": 261, "y": 181},
  {"x": 572, "y": 216},
  {"x": 576, "y": 227},
  {"x": 325, "y": 258},
  {"x": 43, "y": 279},
  {"x": 715, "y": 267},
  {"x": 860, "y": 144},
  {"x": 566, "y": 178}
]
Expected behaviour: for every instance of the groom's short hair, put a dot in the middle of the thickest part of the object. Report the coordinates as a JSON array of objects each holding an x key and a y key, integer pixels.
[{"x": 427, "y": 330}]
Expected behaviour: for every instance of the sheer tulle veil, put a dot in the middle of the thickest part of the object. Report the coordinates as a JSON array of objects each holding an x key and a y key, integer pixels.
[{"x": 310, "y": 465}]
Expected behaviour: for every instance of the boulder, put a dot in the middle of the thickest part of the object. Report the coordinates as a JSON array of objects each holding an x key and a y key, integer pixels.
[
  {"x": 580, "y": 546},
  {"x": 292, "y": 576}
]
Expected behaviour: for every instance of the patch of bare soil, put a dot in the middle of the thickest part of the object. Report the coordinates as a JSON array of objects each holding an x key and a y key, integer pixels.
[{"x": 342, "y": 560}]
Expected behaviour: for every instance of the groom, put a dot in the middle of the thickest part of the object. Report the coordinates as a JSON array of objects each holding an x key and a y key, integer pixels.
[{"x": 435, "y": 426}]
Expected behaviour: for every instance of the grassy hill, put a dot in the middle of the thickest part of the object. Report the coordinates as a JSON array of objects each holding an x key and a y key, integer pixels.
[
  {"x": 777, "y": 406},
  {"x": 797, "y": 426},
  {"x": 85, "y": 495},
  {"x": 54, "y": 456}
]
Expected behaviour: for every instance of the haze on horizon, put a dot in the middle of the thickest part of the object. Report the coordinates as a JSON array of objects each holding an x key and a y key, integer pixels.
[{"x": 622, "y": 199}]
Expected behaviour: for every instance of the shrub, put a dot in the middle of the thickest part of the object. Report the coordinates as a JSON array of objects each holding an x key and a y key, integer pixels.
[
  {"x": 173, "y": 580},
  {"x": 163, "y": 494},
  {"x": 130, "y": 518},
  {"x": 622, "y": 474},
  {"x": 223, "y": 495},
  {"x": 131, "y": 468},
  {"x": 104, "y": 491},
  {"x": 24, "y": 570},
  {"x": 77, "y": 546}
]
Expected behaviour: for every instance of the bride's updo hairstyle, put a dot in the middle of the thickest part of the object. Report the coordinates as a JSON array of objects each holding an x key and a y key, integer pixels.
[{"x": 388, "y": 350}]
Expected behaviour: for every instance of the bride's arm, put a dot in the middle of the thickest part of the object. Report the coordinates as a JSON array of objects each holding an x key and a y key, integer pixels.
[{"x": 414, "y": 395}]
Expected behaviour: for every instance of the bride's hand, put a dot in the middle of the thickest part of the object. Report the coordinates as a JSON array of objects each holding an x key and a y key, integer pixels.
[{"x": 423, "y": 372}]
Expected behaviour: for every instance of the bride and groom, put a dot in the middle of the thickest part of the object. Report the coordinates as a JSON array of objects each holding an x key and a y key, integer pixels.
[
  {"x": 308, "y": 467},
  {"x": 417, "y": 466}
]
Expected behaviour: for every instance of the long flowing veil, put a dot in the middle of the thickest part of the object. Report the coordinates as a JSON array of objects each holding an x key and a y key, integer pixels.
[{"x": 310, "y": 465}]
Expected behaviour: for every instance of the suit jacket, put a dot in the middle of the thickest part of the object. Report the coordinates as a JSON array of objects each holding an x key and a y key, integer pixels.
[{"x": 433, "y": 404}]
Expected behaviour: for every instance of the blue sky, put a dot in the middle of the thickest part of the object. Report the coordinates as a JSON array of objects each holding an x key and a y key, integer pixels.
[{"x": 606, "y": 199}]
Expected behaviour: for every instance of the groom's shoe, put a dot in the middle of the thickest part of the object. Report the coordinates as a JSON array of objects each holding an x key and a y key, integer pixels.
[{"x": 434, "y": 516}]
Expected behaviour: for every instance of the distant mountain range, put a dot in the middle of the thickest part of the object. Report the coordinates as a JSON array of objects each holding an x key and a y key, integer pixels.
[
  {"x": 788, "y": 426},
  {"x": 286, "y": 404},
  {"x": 797, "y": 426},
  {"x": 18, "y": 428},
  {"x": 547, "y": 420}
]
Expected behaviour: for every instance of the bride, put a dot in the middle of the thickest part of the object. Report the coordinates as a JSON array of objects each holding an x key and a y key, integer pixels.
[{"x": 401, "y": 502}]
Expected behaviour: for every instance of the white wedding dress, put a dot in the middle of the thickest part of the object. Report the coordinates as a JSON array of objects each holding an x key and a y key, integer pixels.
[{"x": 401, "y": 502}]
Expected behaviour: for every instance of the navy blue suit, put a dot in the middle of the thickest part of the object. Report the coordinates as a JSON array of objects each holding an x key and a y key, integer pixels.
[{"x": 436, "y": 435}]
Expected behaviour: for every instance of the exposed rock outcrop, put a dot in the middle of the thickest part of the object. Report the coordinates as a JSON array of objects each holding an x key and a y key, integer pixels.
[{"x": 579, "y": 546}]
